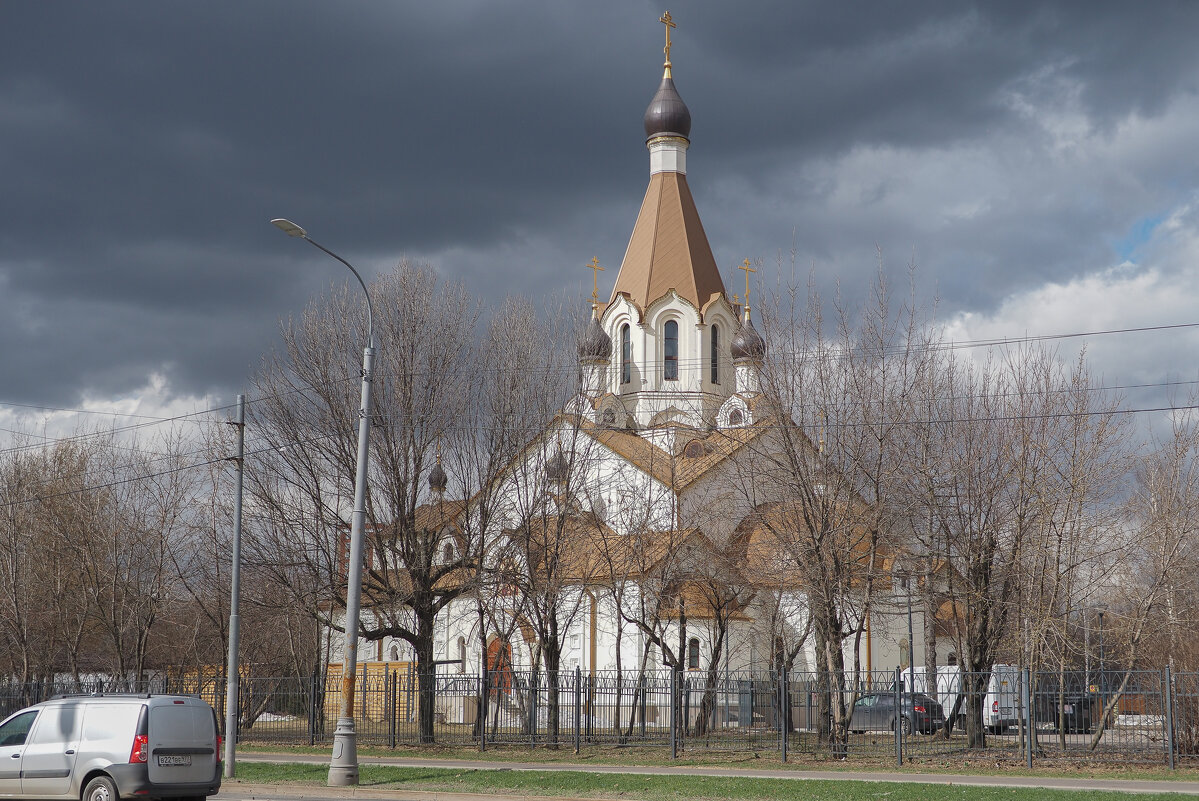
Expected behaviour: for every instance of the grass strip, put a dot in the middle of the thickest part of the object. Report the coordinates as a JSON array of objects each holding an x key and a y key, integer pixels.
[
  {"x": 981, "y": 764},
  {"x": 658, "y": 788}
]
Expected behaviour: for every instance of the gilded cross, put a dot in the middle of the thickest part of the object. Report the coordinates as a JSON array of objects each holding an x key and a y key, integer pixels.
[
  {"x": 745, "y": 266},
  {"x": 668, "y": 21},
  {"x": 595, "y": 271}
]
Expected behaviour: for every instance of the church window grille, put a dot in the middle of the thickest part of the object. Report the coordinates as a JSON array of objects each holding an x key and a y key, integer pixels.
[
  {"x": 693, "y": 654},
  {"x": 626, "y": 355},
  {"x": 670, "y": 367},
  {"x": 715, "y": 354}
]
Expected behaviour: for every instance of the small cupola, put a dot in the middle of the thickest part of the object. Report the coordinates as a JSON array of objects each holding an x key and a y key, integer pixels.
[
  {"x": 748, "y": 343},
  {"x": 594, "y": 345},
  {"x": 438, "y": 479},
  {"x": 667, "y": 114}
]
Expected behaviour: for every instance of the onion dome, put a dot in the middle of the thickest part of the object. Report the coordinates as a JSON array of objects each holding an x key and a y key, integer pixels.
[
  {"x": 667, "y": 114},
  {"x": 437, "y": 478},
  {"x": 595, "y": 344},
  {"x": 748, "y": 343},
  {"x": 557, "y": 468}
]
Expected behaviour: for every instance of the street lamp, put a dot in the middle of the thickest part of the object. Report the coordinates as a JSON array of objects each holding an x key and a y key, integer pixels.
[{"x": 343, "y": 767}]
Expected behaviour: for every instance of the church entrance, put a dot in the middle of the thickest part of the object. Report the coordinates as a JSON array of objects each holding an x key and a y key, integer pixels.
[{"x": 499, "y": 665}]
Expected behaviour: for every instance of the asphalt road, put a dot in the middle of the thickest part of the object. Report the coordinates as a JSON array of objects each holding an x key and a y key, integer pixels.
[{"x": 234, "y": 790}]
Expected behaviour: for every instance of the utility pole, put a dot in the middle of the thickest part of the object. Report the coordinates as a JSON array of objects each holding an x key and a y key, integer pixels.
[{"x": 232, "y": 701}]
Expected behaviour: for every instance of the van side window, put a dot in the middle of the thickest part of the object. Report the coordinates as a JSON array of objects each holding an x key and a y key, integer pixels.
[
  {"x": 57, "y": 724},
  {"x": 14, "y": 731}
]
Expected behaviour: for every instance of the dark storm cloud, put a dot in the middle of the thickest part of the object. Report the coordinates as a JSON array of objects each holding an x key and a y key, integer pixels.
[{"x": 145, "y": 145}]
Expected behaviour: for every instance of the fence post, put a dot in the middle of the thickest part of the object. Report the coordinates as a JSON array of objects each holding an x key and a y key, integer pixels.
[
  {"x": 644, "y": 703},
  {"x": 898, "y": 696},
  {"x": 590, "y": 707},
  {"x": 1170, "y": 715},
  {"x": 484, "y": 702},
  {"x": 578, "y": 707},
  {"x": 533, "y": 710},
  {"x": 312, "y": 700},
  {"x": 674, "y": 722},
  {"x": 1029, "y": 717},
  {"x": 393, "y": 693},
  {"x": 784, "y": 703}
]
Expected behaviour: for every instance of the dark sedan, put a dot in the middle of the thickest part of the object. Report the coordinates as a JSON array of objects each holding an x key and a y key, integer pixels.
[{"x": 876, "y": 712}]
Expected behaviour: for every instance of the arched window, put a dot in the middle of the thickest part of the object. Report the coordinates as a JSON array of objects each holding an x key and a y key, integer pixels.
[
  {"x": 626, "y": 355},
  {"x": 393, "y": 654},
  {"x": 448, "y": 553},
  {"x": 715, "y": 354},
  {"x": 693, "y": 654},
  {"x": 670, "y": 368}
]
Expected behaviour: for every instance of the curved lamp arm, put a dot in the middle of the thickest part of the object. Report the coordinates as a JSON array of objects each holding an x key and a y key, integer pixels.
[{"x": 291, "y": 229}]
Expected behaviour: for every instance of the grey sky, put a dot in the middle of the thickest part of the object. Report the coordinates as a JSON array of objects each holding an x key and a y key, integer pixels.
[{"x": 1020, "y": 153}]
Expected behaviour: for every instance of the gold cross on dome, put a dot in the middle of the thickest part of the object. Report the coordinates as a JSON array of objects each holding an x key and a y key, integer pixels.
[
  {"x": 595, "y": 271},
  {"x": 668, "y": 21},
  {"x": 745, "y": 266}
]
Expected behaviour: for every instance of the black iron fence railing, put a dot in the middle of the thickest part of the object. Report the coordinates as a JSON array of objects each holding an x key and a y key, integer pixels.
[{"x": 1118, "y": 716}]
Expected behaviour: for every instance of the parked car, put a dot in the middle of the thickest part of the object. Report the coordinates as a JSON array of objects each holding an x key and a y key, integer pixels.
[
  {"x": 102, "y": 747},
  {"x": 876, "y": 711},
  {"x": 1074, "y": 712}
]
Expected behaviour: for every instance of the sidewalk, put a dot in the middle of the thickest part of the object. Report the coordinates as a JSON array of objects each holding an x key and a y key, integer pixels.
[{"x": 235, "y": 788}]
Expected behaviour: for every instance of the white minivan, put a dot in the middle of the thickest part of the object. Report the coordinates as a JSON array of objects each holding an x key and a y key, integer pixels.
[{"x": 104, "y": 747}]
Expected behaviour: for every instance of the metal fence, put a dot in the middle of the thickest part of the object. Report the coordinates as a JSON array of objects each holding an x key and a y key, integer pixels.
[{"x": 1147, "y": 716}]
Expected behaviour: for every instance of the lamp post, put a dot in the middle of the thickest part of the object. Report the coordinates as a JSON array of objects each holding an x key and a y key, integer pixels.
[{"x": 343, "y": 767}]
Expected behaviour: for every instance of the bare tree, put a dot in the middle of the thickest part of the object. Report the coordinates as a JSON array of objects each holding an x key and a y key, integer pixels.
[{"x": 301, "y": 484}]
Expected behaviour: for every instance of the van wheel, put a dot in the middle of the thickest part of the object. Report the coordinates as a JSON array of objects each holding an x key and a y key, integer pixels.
[{"x": 101, "y": 788}]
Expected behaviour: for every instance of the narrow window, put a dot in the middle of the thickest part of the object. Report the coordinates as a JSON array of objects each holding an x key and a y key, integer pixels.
[
  {"x": 626, "y": 355},
  {"x": 461, "y": 654},
  {"x": 715, "y": 354},
  {"x": 671, "y": 367},
  {"x": 693, "y": 654}
]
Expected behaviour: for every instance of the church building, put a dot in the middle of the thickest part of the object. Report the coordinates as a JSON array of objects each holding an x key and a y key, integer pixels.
[{"x": 631, "y": 519}]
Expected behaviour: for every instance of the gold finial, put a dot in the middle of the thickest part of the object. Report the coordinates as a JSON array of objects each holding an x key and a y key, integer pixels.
[
  {"x": 745, "y": 266},
  {"x": 595, "y": 268},
  {"x": 668, "y": 21}
]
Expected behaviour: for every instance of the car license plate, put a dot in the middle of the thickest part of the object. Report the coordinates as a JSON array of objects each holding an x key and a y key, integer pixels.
[{"x": 165, "y": 760}]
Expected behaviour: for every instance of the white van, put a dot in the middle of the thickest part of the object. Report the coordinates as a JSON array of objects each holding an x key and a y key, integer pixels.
[
  {"x": 1001, "y": 704},
  {"x": 102, "y": 747}
]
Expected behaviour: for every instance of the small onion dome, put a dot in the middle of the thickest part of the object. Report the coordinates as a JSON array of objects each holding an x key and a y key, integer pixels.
[
  {"x": 437, "y": 478},
  {"x": 748, "y": 343},
  {"x": 557, "y": 468},
  {"x": 667, "y": 114},
  {"x": 595, "y": 344}
]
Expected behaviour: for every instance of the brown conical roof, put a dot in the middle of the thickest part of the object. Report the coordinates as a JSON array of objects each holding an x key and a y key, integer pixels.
[{"x": 668, "y": 248}]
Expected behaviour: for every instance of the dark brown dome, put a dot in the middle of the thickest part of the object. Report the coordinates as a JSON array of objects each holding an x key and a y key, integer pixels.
[
  {"x": 667, "y": 114},
  {"x": 437, "y": 478},
  {"x": 557, "y": 468},
  {"x": 748, "y": 343},
  {"x": 595, "y": 344}
]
